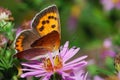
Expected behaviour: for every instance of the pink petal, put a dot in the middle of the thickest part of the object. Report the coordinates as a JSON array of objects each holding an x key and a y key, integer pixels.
[
  {"x": 85, "y": 77},
  {"x": 66, "y": 75},
  {"x": 39, "y": 75},
  {"x": 33, "y": 66},
  {"x": 65, "y": 48},
  {"x": 29, "y": 70},
  {"x": 98, "y": 78},
  {"x": 80, "y": 75},
  {"x": 31, "y": 73},
  {"x": 79, "y": 64},
  {"x": 107, "y": 4},
  {"x": 74, "y": 66},
  {"x": 45, "y": 78},
  {"x": 117, "y": 5},
  {"x": 76, "y": 60},
  {"x": 70, "y": 54}
]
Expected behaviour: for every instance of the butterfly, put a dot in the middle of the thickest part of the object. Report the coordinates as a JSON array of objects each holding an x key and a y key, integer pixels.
[{"x": 43, "y": 37}]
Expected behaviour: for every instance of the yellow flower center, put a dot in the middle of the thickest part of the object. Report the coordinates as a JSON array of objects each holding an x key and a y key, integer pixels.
[{"x": 52, "y": 66}]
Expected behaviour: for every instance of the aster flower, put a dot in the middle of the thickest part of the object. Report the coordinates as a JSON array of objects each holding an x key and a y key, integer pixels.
[
  {"x": 114, "y": 76},
  {"x": 72, "y": 70},
  {"x": 80, "y": 75},
  {"x": 6, "y": 26},
  {"x": 5, "y": 14},
  {"x": 3, "y": 40},
  {"x": 110, "y": 4},
  {"x": 107, "y": 49},
  {"x": 73, "y": 19},
  {"x": 98, "y": 78}
]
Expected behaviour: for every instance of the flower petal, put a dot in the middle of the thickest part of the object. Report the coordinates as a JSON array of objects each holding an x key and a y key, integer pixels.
[
  {"x": 45, "y": 78},
  {"x": 66, "y": 75},
  {"x": 31, "y": 73},
  {"x": 32, "y": 66},
  {"x": 31, "y": 70},
  {"x": 65, "y": 48},
  {"x": 80, "y": 75},
  {"x": 98, "y": 78},
  {"x": 76, "y": 60},
  {"x": 39, "y": 75},
  {"x": 74, "y": 66},
  {"x": 70, "y": 54}
]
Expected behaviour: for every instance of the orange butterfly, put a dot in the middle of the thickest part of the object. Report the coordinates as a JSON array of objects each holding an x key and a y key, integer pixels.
[{"x": 43, "y": 37}]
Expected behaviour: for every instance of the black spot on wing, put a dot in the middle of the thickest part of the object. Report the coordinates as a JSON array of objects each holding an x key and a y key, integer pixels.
[
  {"x": 41, "y": 28},
  {"x": 53, "y": 26}
]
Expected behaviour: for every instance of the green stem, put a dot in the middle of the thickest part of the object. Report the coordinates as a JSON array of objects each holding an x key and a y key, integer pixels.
[
  {"x": 54, "y": 78},
  {"x": 4, "y": 49}
]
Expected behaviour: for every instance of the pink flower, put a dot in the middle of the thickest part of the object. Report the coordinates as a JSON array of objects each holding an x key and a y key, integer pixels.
[
  {"x": 3, "y": 40},
  {"x": 5, "y": 14},
  {"x": 73, "y": 18},
  {"x": 98, "y": 78},
  {"x": 107, "y": 50},
  {"x": 72, "y": 70},
  {"x": 110, "y": 4}
]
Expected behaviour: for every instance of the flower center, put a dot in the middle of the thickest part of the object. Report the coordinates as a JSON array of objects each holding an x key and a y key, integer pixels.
[{"x": 53, "y": 65}]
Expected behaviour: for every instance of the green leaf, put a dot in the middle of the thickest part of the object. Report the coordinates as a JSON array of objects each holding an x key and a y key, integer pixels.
[{"x": 109, "y": 62}]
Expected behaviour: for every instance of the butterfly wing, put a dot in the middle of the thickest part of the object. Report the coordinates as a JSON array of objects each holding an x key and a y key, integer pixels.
[
  {"x": 47, "y": 24},
  {"x": 32, "y": 54},
  {"x": 51, "y": 41},
  {"x": 24, "y": 40},
  {"x": 41, "y": 47},
  {"x": 47, "y": 21}
]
